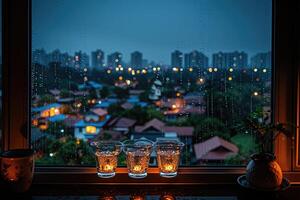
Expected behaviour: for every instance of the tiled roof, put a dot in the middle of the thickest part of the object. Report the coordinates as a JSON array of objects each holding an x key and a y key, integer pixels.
[
  {"x": 46, "y": 107},
  {"x": 122, "y": 122},
  {"x": 57, "y": 118},
  {"x": 100, "y": 124},
  {"x": 154, "y": 123},
  {"x": 127, "y": 105},
  {"x": 99, "y": 111},
  {"x": 211, "y": 149},
  {"x": 181, "y": 131}
]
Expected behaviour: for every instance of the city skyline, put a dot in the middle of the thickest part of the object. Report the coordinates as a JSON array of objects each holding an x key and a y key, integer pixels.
[
  {"x": 207, "y": 26},
  {"x": 98, "y": 58}
]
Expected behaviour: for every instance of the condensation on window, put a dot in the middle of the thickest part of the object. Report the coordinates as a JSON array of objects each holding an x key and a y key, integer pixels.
[{"x": 192, "y": 71}]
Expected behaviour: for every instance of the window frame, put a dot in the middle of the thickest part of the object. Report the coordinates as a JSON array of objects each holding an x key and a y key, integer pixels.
[{"x": 16, "y": 40}]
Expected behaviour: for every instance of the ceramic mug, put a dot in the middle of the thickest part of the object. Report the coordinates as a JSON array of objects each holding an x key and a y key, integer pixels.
[{"x": 17, "y": 167}]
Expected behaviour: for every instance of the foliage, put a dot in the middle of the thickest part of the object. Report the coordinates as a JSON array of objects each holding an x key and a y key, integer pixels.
[
  {"x": 266, "y": 132},
  {"x": 64, "y": 93},
  {"x": 104, "y": 92},
  {"x": 46, "y": 99},
  {"x": 67, "y": 151},
  {"x": 121, "y": 93}
]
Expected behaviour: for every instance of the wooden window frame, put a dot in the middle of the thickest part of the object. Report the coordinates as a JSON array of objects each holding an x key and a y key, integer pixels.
[{"x": 16, "y": 40}]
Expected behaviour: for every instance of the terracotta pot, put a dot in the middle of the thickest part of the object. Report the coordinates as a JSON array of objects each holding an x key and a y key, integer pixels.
[
  {"x": 263, "y": 172},
  {"x": 17, "y": 168}
]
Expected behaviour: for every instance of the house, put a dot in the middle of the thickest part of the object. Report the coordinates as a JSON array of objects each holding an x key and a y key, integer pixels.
[
  {"x": 121, "y": 124},
  {"x": 194, "y": 98},
  {"x": 214, "y": 150},
  {"x": 55, "y": 92},
  {"x": 155, "y": 126},
  {"x": 49, "y": 110},
  {"x": 91, "y": 125},
  {"x": 155, "y": 92},
  {"x": 106, "y": 103}
]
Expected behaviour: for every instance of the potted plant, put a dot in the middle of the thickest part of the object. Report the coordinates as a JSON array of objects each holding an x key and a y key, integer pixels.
[{"x": 263, "y": 172}]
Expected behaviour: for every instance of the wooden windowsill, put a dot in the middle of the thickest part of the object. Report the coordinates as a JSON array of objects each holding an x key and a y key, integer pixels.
[{"x": 186, "y": 175}]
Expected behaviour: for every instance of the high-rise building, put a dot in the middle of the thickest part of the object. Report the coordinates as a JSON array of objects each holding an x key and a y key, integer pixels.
[
  {"x": 261, "y": 60},
  {"x": 114, "y": 59},
  {"x": 67, "y": 60},
  {"x": 39, "y": 56},
  {"x": 81, "y": 59},
  {"x": 176, "y": 59},
  {"x": 136, "y": 59},
  {"x": 195, "y": 59},
  {"x": 231, "y": 59},
  {"x": 97, "y": 58},
  {"x": 145, "y": 63},
  {"x": 55, "y": 56}
]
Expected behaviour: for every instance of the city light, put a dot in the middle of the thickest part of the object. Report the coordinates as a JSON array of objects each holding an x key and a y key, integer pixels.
[
  {"x": 108, "y": 71},
  {"x": 128, "y": 82},
  {"x": 144, "y": 71},
  {"x": 154, "y": 69},
  {"x": 117, "y": 69},
  {"x": 210, "y": 69},
  {"x": 132, "y": 72},
  {"x": 255, "y": 93},
  {"x": 215, "y": 69},
  {"x": 190, "y": 69},
  {"x": 230, "y": 78},
  {"x": 138, "y": 71},
  {"x": 231, "y": 69},
  {"x": 264, "y": 70},
  {"x": 51, "y": 154},
  {"x": 120, "y": 78},
  {"x": 158, "y": 68},
  {"x": 174, "y": 106},
  {"x": 129, "y": 69},
  {"x": 175, "y": 69},
  {"x": 178, "y": 94},
  {"x": 255, "y": 70},
  {"x": 85, "y": 69},
  {"x": 181, "y": 69}
]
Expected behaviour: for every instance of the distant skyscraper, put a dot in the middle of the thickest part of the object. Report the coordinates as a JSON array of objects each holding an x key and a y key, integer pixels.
[
  {"x": 114, "y": 59},
  {"x": 55, "y": 56},
  {"x": 81, "y": 59},
  {"x": 261, "y": 60},
  {"x": 176, "y": 59},
  {"x": 97, "y": 59},
  {"x": 145, "y": 63},
  {"x": 39, "y": 56},
  {"x": 67, "y": 60},
  {"x": 195, "y": 59},
  {"x": 136, "y": 59},
  {"x": 231, "y": 59}
]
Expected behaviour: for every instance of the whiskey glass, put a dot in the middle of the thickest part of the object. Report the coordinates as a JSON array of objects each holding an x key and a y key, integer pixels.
[
  {"x": 137, "y": 157},
  {"x": 168, "y": 157},
  {"x": 107, "y": 157}
]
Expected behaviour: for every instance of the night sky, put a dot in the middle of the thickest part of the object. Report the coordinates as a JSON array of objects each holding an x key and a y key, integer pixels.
[{"x": 154, "y": 27}]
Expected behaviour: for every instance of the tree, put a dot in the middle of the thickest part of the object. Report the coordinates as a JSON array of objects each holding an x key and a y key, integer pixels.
[
  {"x": 115, "y": 110},
  {"x": 121, "y": 93},
  {"x": 209, "y": 127},
  {"x": 46, "y": 99},
  {"x": 65, "y": 93},
  {"x": 104, "y": 92}
]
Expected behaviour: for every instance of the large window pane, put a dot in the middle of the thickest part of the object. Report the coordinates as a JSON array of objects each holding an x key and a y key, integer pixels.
[{"x": 190, "y": 70}]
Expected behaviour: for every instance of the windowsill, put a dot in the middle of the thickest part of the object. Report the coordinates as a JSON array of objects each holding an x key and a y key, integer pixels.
[{"x": 190, "y": 176}]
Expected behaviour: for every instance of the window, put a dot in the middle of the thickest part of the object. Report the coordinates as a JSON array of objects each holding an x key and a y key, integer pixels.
[{"x": 119, "y": 70}]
